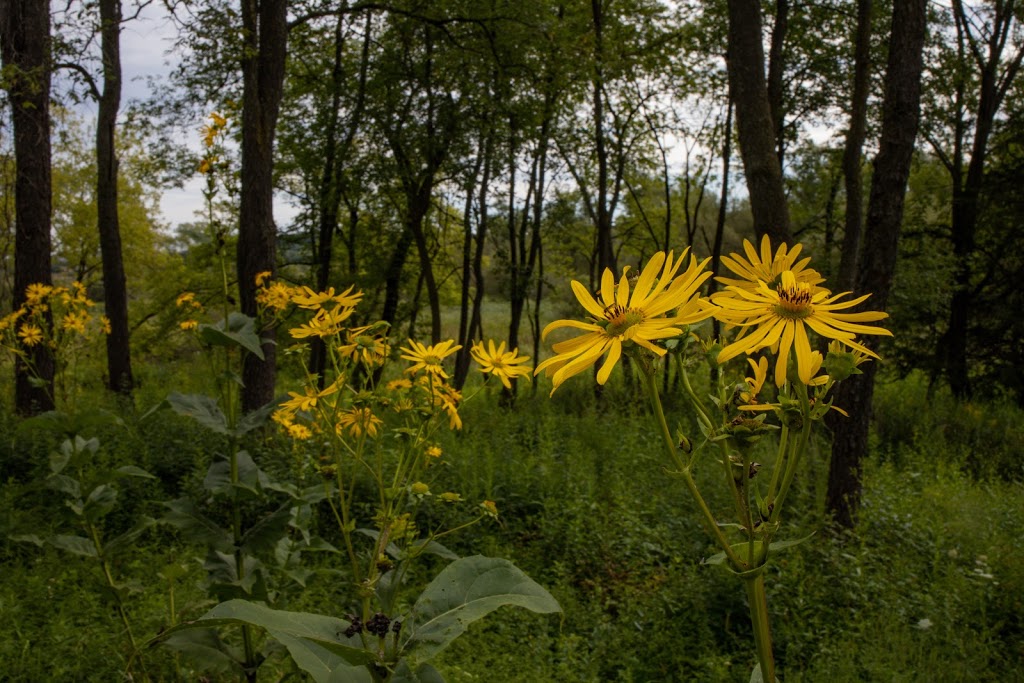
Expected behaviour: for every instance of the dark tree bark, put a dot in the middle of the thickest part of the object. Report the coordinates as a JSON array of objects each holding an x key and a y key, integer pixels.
[
  {"x": 25, "y": 49},
  {"x": 852, "y": 175},
  {"x": 265, "y": 32},
  {"x": 723, "y": 203},
  {"x": 335, "y": 156},
  {"x": 900, "y": 117},
  {"x": 776, "y": 66},
  {"x": 749, "y": 92},
  {"x": 985, "y": 50},
  {"x": 115, "y": 288},
  {"x": 605, "y": 248}
]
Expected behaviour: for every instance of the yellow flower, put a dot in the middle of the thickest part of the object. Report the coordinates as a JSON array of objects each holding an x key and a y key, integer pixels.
[
  {"x": 206, "y": 165},
  {"x": 324, "y": 324},
  {"x": 368, "y": 348},
  {"x": 781, "y": 317},
  {"x": 765, "y": 267},
  {"x": 277, "y": 296},
  {"x": 419, "y": 489},
  {"x": 105, "y": 324},
  {"x": 503, "y": 365},
  {"x": 446, "y": 398},
  {"x": 75, "y": 322},
  {"x": 36, "y": 293},
  {"x": 398, "y": 384},
  {"x": 185, "y": 298},
  {"x": 754, "y": 384},
  {"x": 358, "y": 421},
  {"x": 306, "y": 400},
  {"x": 489, "y": 508},
  {"x": 262, "y": 277},
  {"x": 451, "y": 497},
  {"x": 188, "y": 324},
  {"x": 218, "y": 120},
  {"x": 299, "y": 432},
  {"x": 434, "y": 452},
  {"x": 30, "y": 334},
  {"x": 304, "y": 297},
  {"x": 428, "y": 358},
  {"x": 621, "y": 316}
]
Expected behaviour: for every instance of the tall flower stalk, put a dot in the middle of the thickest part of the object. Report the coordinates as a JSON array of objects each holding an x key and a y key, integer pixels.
[{"x": 774, "y": 305}]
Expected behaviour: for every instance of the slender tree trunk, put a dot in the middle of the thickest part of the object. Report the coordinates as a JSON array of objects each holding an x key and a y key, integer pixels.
[
  {"x": 723, "y": 204},
  {"x": 749, "y": 93},
  {"x": 776, "y": 66},
  {"x": 900, "y": 117},
  {"x": 852, "y": 172},
  {"x": 265, "y": 33},
  {"x": 462, "y": 356},
  {"x": 25, "y": 48},
  {"x": 393, "y": 278},
  {"x": 605, "y": 249},
  {"x": 115, "y": 288}
]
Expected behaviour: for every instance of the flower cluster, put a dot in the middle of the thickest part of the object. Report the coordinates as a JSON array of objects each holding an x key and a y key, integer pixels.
[
  {"x": 774, "y": 302},
  {"x": 53, "y": 317}
]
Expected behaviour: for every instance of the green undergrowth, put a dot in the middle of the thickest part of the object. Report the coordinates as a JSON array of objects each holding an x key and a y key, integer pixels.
[{"x": 928, "y": 587}]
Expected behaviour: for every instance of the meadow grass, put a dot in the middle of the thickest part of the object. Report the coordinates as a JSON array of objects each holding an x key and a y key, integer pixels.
[{"x": 928, "y": 587}]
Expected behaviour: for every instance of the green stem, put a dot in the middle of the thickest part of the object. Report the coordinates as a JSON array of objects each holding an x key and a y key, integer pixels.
[
  {"x": 684, "y": 470},
  {"x": 779, "y": 464},
  {"x": 797, "y": 453},
  {"x": 758, "y": 599},
  {"x": 698, "y": 405}
]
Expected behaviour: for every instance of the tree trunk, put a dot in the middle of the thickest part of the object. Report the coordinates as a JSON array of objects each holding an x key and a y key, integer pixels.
[
  {"x": 852, "y": 172},
  {"x": 462, "y": 356},
  {"x": 776, "y": 66},
  {"x": 749, "y": 93},
  {"x": 900, "y": 117},
  {"x": 25, "y": 49},
  {"x": 265, "y": 31},
  {"x": 723, "y": 203},
  {"x": 115, "y": 288},
  {"x": 605, "y": 249}
]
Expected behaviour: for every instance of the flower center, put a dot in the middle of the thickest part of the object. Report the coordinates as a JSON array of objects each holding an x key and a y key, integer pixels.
[
  {"x": 621, "y": 319},
  {"x": 794, "y": 300}
]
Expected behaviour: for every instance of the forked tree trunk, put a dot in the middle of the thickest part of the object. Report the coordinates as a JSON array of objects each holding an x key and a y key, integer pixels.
[{"x": 901, "y": 110}]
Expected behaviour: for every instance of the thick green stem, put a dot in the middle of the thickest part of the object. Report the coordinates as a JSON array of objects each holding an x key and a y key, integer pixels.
[
  {"x": 684, "y": 470},
  {"x": 758, "y": 599}
]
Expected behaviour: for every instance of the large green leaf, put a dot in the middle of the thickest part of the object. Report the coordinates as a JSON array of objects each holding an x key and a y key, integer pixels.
[
  {"x": 423, "y": 674},
  {"x": 467, "y": 590},
  {"x": 238, "y": 330},
  {"x": 317, "y": 643},
  {"x": 320, "y": 663},
  {"x": 200, "y": 408},
  {"x": 263, "y": 536},
  {"x": 100, "y": 502},
  {"x": 73, "y": 544},
  {"x": 185, "y": 517},
  {"x": 250, "y": 477},
  {"x": 127, "y": 539}
]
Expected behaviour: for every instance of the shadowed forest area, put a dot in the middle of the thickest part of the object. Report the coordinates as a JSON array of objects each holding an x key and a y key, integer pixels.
[{"x": 628, "y": 340}]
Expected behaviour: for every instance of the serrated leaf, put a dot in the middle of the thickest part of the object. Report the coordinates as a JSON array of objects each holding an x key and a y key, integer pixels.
[
  {"x": 320, "y": 663},
  {"x": 100, "y": 502},
  {"x": 425, "y": 673},
  {"x": 465, "y": 591},
  {"x": 200, "y": 408},
  {"x": 238, "y": 330},
  {"x": 125, "y": 540},
  {"x": 73, "y": 544},
  {"x": 133, "y": 471},
  {"x": 185, "y": 517}
]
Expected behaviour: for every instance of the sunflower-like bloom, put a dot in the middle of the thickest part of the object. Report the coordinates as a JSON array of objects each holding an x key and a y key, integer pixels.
[
  {"x": 640, "y": 314},
  {"x": 30, "y": 334},
  {"x": 781, "y": 316},
  {"x": 306, "y": 400},
  {"x": 305, "y": 297},
  {"x": 766, "y": 267},
  {"x": 324, "y": 324},
  {"x": 365, "y": 346},
  {"x": 505, "y": 365},
  {"x": 36, "y": 293},
  {"x": 429, "y": 358},
  {"x": 358, "y": 421}
]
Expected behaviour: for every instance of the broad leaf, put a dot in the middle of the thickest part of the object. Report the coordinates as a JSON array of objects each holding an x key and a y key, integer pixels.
[
  {"x": 256, "y": 418},
  {"x": 200, "y": 408},
  {"x": 250, "y": 477},
  {"x": 73, "y": 544},
  {"x": 185, "y": 517},
  {"x": 64, "y": 484},
  {"x": 204, "y": 647},
  {"x": 423, "y": 674},
  {"x": 133, "y": 471},
  {"x": 239, "y": 330},
  {"x": 467, "y": 590},
  {"x": 320, "y": 663},
  {"x": 262, "y": 537},
  {"x": 127, "y": 539},
  {"x": 100, "y": 502}
]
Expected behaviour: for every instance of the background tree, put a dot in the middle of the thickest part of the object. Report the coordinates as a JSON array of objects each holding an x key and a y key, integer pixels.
[
  {"x": 900, "y": 119},
  {"x": 25, "y": 49}
]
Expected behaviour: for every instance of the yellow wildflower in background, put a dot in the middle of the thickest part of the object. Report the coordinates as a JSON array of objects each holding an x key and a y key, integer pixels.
[
  {"x": 262, "y": 277},
  {"x": 659, "y": 304},
  {"x": 429, "y": 358},
  {"x": 365, "y": 346},
  {"x": 306, "y": 400},
  {"x": 188, "y": 324},
  {"x": 36, "y": 293},
  {"x": 766, "y": 267},
  {"x": 434, "y": 452},
  {"x": 105, "y": 324},
  {"x": 489, "y": 508},
  {"x": 358, "y": 421},
  {"x": 781, "y": 317},
  {"x": 30, "y": 334},
  {"x": 450, "y": 497},
  {"x": 276, "y": 296},
  {"x": 324, "y": 324},
  {"x": 505, "y": 365},
  {"x": 304, "y": 297},
  {"x": 75, "y": 321}
]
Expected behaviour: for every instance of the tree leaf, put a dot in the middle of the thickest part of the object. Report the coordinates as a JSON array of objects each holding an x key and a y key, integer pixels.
[
  {"x": 200, "y": 408},
  {"x": 466, "y": 590}
]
